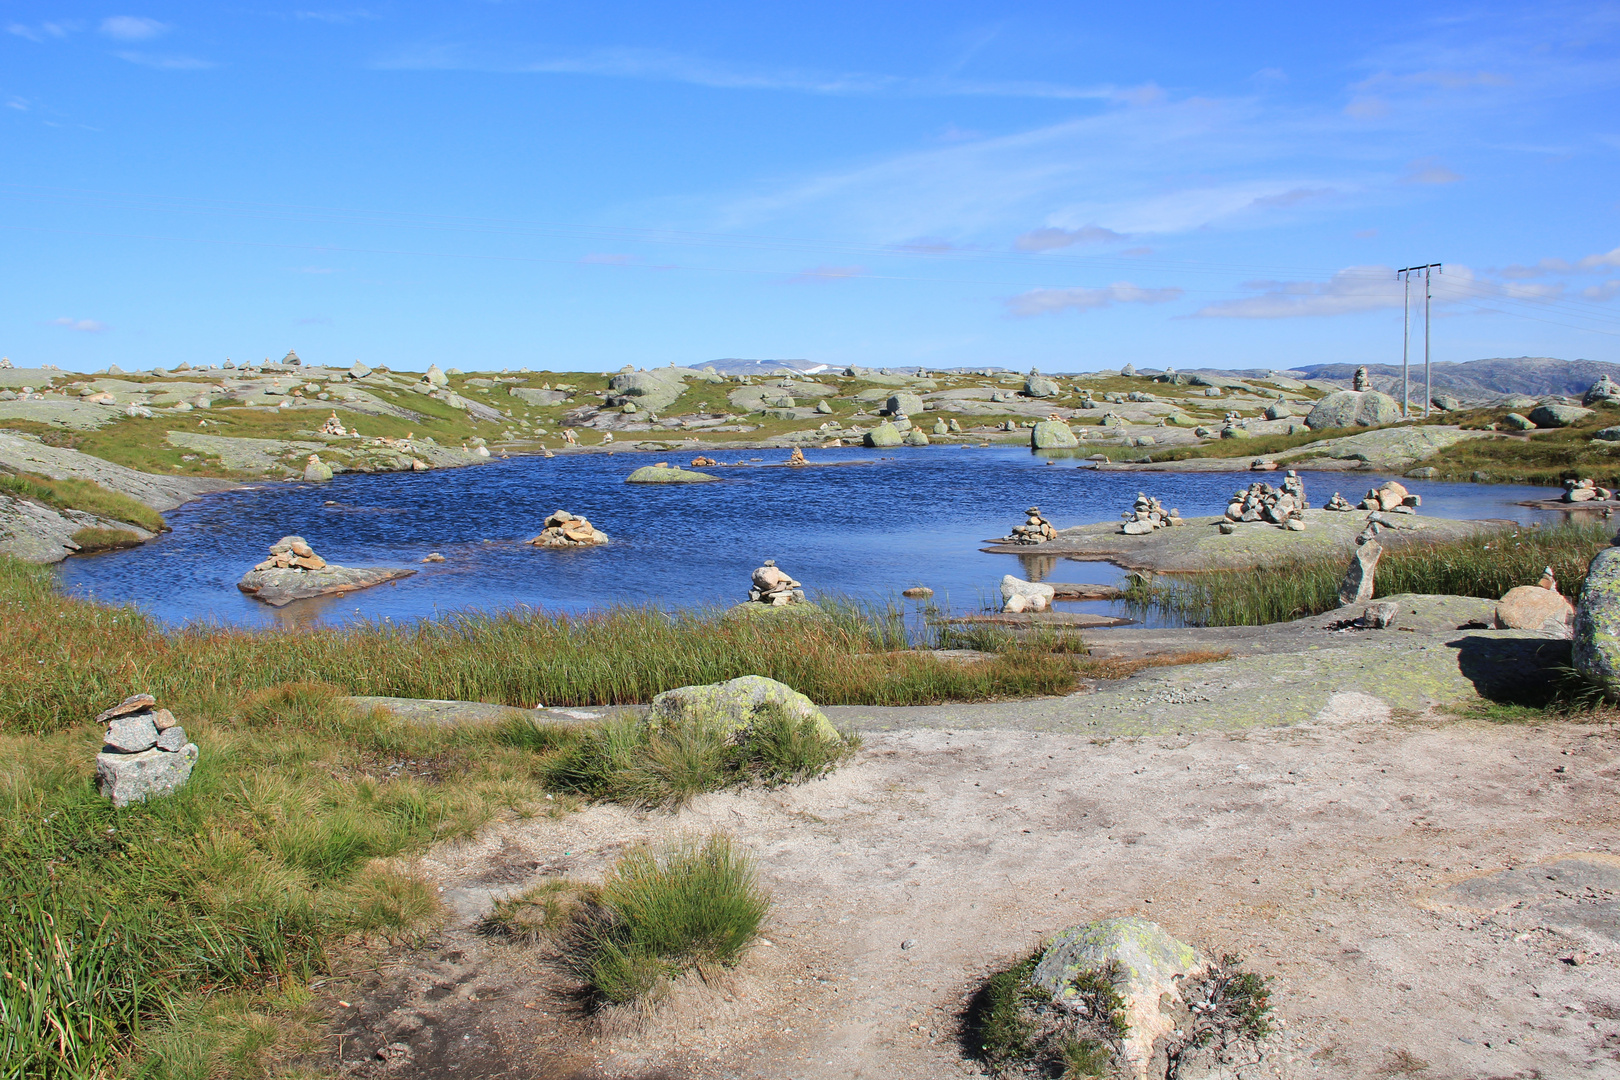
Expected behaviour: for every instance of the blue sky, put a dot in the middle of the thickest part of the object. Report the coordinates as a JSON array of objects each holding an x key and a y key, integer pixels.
[{"x": 1060, "y": 185}]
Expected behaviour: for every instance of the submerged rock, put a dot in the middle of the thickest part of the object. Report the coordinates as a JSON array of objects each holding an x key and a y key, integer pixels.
[{"x": 663, "y": 474}]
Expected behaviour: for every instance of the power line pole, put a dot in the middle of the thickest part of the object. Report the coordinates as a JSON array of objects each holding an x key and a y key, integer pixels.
[
  {"x": 1428, "y": 379},
  {"x": 1406, "y": 342}
]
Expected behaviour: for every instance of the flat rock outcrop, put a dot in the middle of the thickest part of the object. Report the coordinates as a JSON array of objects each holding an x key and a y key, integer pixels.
[
  {"x": 44, "y": 534},
  {"x": 295, "y": 572},
  {"x": 667, "y": 474}
]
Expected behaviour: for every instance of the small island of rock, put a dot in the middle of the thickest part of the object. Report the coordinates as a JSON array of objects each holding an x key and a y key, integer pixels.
[{"x": 294, "y": 572}]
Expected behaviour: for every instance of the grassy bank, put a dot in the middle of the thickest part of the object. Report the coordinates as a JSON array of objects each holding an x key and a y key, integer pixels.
[
  {"x": 82, "y": 495},
  {"x": 1537, "y": 457},
  {"x": 1487, "y": 565}
]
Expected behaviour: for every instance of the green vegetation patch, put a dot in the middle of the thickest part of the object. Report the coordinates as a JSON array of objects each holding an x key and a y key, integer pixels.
[
  {"x": 1543, "y": 458},
  {"x": 1485, "y": 565},
  {"x": 94, "y": 540},
  {"x": 84, "y": 495}
]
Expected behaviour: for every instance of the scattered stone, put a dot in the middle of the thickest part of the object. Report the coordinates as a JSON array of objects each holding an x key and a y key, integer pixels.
[
  {"x": 1263, "y": 502},
  {"x": 434, "y": 377},
  {"x": 1019, "y": 595},
  {"x": 823, "y": 407},
  {"x": 772, "y": 586},
  {"x": 1147, "y": 966},
  {"x": 1390, "y": 497},
  {"x": 663, "y": 474},
  {"x": 1552, "y": 415},
  {"x": 1052, "y": 434},
  {"x": 1357, "y": 587},
  {"x": 703, "y": 462},
  {"x": 1428, "y": 472},
  {"x": 1535, "y": 607},
  {"x": 918, "y": 592},
  {"x": 1227, "y": 528},
  {"x": 565, "y": 530},
  {"x": 1379, "y": 616},
  {"x": 1585, "y": 490},
  {"x": 433, "y": 556},
  {"x": 735, "y": 706},
  {"x": 904, "y": 404},
  {"x": 1148, "y": 514},
  {"x": 144, "y": 753},
  {"x": 883, "y": 436}
]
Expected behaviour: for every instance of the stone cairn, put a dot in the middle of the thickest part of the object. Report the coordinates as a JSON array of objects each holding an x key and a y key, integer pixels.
[
  {"x": 1338, "y": 504},
  {"x": 1585, "y": 490},
  {"x": 1147, "y": 515},
  {"x": 1034, "y": 530},
  {"x": 564, "y": 530},
  {"x": 292, "y": 553},
  {"x": 144, "y": 753},
  {"x": 1392, "y": 498},
  {"x": 1362, "y": 382},
  {"x": 703, "y": 462},
  {"x": 1357, "y": 587},
  {"x": 797, "y": 457},
  {"x": 772, "y": 586},
  {"x": 1283, "y": 506},
  {"x": 334, "y": 426}
]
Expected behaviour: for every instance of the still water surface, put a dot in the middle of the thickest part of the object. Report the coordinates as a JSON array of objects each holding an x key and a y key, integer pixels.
[{"x": 866, "y": 529}]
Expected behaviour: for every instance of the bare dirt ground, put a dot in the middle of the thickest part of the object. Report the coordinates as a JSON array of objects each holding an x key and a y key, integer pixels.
[{"x": 1435, "y": 898}]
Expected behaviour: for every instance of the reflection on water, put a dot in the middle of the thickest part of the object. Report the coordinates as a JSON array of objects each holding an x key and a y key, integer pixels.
[{"x": 914, "y": 517}]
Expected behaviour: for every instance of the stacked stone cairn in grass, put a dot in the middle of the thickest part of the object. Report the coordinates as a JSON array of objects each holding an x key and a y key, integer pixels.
[
  {"x": 334, "y": 426},
  {"x": 1148, "y": 514},
  {"x": 1283, "y": 506},
  {"x": 1034, "y": 530},
  {"x": 565, "y": 530},
  {"x": 1338, "y": 504},
  {"x": 1585, "y": 490},
  {"x": 1392, "y": 498},
  {"x": 772, "y": 586},
  {"x": 144, "y": 753}
]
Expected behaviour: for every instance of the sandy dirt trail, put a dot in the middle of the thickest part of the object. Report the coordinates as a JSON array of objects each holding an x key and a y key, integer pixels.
[{"x": 1435, "y": 898}]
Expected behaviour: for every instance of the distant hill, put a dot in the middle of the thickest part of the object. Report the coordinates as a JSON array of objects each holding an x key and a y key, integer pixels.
[{"x": 1482, "y": 380}]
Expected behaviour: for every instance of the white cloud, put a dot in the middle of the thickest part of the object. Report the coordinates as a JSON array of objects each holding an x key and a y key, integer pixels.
[
  {"x": 1606, "y": 291},
  {"x": 84, "y": 326},
  {"x": 827, "y": 273},
  {"x": 1051, "y": 239},
  {"x": 17, "y": 103},
  {"x": 1588, "y": 264},
  {"x": 1358, "y": 288},
  {"x": 43, "y": 30},
  {"x": 1053, "y": 301},
  {"x": 132, "y": 28},
  {"x": 1429, "y": 171},
  {"x": 166, "y": 63}
]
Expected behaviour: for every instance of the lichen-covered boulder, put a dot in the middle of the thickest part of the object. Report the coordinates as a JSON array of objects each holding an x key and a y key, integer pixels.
[
  {"x": 1557, "y": 416},
  {"x": 884, "y": 435},
  {"x": 317, "y": 471},
  {"x": 436, "y": 377},
  {"x": 658, "y": 474},
  {"x": 1353, "y": 408},
  {"x": 1039, "y": 386},
  {"x": 916, "y": 437},
  {"x": 903, "y": 402},
  {"x": 1530, "y": 607},
  {"x": 1597, "y": 621},
  {"x": 1052, "y": 435},
  {"x": 1148, "y": 962},
  {"x": 734, "y": 706},
  {"x": 1518, "y": 421}
]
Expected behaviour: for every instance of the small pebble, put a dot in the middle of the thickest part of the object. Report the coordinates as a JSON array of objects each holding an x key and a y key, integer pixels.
[{"x": 908, "y": 943}]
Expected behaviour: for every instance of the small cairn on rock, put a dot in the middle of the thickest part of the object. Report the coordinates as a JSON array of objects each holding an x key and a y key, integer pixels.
[
  {"x": 1338, "y": 504},
  {"x": 703, "y": 462},
  {"x": 797, "y": 457},
  {"x": 1603, "y": 392},
  {"x": 772, "y": 586},
  {"x": 1282, "y": 506},
  {"x": 1392, "y": 498},
  {"x": 1147, "y": 515},
  {"x": 1585, "y": 490},
  {"x": 1034, "y": 530},
  {"x": 144, "y": 753},
  {"x": 334, "y": 426},
  {"x": 565, "y": 530},
  {"x": 1362, "y": 382},
  {"x": 292, "y": 553},
  {"x": 1357, "y": 587}
]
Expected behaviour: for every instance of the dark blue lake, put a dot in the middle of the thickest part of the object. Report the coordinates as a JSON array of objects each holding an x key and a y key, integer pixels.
[{"x": 868, "y": 529}]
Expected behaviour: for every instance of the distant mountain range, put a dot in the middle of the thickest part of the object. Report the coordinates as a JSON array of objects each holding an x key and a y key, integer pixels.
[{"x": 1482, "y": 380}]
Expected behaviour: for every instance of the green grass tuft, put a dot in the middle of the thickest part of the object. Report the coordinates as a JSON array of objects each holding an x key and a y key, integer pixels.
[
  {"x": 85, "y": 495},
  {"x": 91, "y": 541}
]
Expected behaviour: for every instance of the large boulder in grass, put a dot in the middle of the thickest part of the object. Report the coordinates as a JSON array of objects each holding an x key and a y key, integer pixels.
[
  {"x": 1146, "y": 963},
  {"x": 132, "y": 778},
  {"x": 1353, "y": 408},
  {"x": 1531, "y": 607},
  {"x": 1557, "y": 416},
  {"x": 1052, "y": 435},
  {"x": 1597, "y": 621},
  {"x": 735, "y": 706},
  {"x": 884, "y": 435}
]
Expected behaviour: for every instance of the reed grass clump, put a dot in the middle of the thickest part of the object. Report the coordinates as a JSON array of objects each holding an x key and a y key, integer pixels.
[
  {"x": 1486, "y": 564},
  {"x": 663, "y": 913}
]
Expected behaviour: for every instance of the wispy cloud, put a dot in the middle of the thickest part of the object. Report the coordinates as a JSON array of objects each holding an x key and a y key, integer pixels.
[
  {"x": 1604, "y": 292},
  {"x": 44, "y": 30},
  {"x": 1053, "y": 301},
  {"x": 1587, "y": 264},
  {"x": 17, "y": 103},
  {"x": 928, "y": 245},
  {"x": 1429, "y": 171},
  {"x": 1051, "y": 239},
  {"x": 1358, "y": 288},
  {"x": 165, "y": 63},
  {"x": 826, "y": 273},
  {"x": 83, "y": 326},
  {"x": 132, "y": 28},
  {"x": 662, "y": 66}
]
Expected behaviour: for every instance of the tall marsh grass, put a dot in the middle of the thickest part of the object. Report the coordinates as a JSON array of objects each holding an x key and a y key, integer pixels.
[
  {"x": 1485, "y": 565},
  {"x": 63, "y": 660}
]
